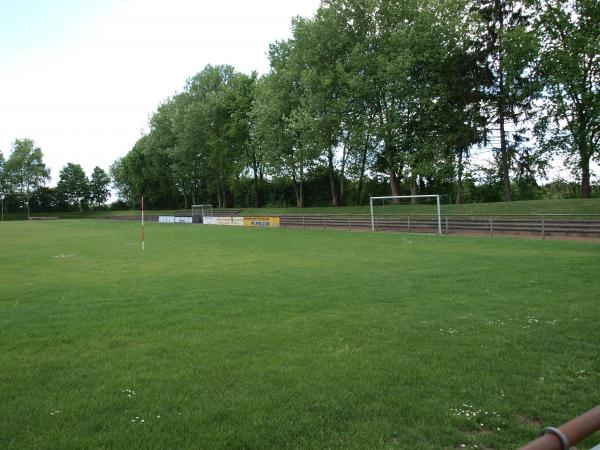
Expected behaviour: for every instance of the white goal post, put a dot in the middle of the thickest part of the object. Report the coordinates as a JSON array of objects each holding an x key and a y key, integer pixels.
[{"x": 436, "y": 196}]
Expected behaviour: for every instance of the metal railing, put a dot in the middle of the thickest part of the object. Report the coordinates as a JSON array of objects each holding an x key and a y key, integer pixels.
[
  {"x": 568, "y": 434},
  {"x": 535, "y": 225},
  {"x": 542, "y": 225}
]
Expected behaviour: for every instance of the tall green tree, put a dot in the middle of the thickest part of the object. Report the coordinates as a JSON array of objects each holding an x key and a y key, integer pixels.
[
  {"x": 279, "y": 122},
  {"x": 323, "y": 44},
  {"x": 73, "y": 185},
  {"x": 185, "y": 146},
  {"x": 25, "y": 167},
  {"x": 99, "y": 186},
  {"x": 506, "y": 33},
  {"x": 4, "y": 178},
  {"x": 462, "y": 80},
  {"x": 213, "y": 127},
  {"x": 570, "y": 68},
  {"x": 5, "y": 185}
]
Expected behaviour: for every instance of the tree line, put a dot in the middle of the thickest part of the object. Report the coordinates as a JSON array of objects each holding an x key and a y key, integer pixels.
[
  {"x": 369, "y": 97},
  {"x": 373, "y": 96},
  {"x": 23, "y": 176}
]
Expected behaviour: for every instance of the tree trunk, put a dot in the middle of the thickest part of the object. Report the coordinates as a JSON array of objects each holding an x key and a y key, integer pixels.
[
  {"x": 300, "y": 201},
  {"x": 342, "y": 171},
  {"x": 260, "y": 187},
  {"x": 363, "y": 164},
  {"x": 459, "y": 187},
  {"x": 256, "y": 184},
  {"x": 586, "y": 189},
  {"x": 334, "y": 197},
  {"x": 504, "y": 156},
  {"x": 413, "y": 189},
  {"x": 224, "y": 196},
  {"x": 298, "y": 191},
  {"x": 256, "y": 193},
  {"x": 504, "y": 160},
  {"x": 395, "y": 185},
  {"x": 394, "y": 181},
  {"x": 219, "y": 195}
]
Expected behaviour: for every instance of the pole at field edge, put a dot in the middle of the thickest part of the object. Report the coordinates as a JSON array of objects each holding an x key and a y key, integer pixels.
[
  {"x": 372, "y": 220},
  {"x": 439, "y": 216},
  {"x": 142, "y": 223}
]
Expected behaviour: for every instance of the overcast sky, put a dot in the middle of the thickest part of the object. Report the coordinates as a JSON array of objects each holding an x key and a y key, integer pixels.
[{"x": 81, "y": 77}]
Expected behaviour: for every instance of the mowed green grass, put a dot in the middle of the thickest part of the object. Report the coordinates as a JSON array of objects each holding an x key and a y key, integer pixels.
[{"x": 237, "y": 338}]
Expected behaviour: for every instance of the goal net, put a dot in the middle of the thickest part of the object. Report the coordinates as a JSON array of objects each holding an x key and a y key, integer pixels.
[
  {"x": 412, "y": 213},
  {"x": 199, "y": 212}
]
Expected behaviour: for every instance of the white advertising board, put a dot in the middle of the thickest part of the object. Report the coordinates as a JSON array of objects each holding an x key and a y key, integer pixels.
[{"x": 223, "y": 220}]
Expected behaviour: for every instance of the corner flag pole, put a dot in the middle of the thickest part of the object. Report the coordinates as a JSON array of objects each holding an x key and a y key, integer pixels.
[{"x": 142, "y": 223}]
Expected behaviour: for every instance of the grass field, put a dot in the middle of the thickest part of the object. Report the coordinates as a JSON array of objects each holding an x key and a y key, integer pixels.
[{"x": 237, "y": 338}]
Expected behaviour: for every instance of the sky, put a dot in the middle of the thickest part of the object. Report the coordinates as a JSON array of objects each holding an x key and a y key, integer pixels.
[{"x": 82, "y": 77}]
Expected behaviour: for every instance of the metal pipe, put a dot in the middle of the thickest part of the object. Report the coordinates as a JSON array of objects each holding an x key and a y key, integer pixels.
[
  {"x": 575, "y": 430},
  {"x": 439, "y": 215}
]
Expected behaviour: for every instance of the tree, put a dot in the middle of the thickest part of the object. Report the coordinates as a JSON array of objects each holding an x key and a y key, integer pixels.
[
  {"x": 5, "y": 187},
  {"x": 322, "y": 46},
  {"x": 120, "y": 181},
  {"x": 511, "y": 46},
  {"x": 278, "y": 119},
  {"x": 4, "y": 178},
  {"x": 212, "y": 128},
  {"x": 99, "y": 186},
  {"x": 73, "y": 185},
  {"x": 25, "y": 167},
  {"x": 570, "y": 68}
]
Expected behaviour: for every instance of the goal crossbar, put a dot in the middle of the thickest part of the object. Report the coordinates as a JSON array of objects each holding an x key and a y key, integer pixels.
[
  {"x": 206, "y": 210},
  {"x": 388, "y": 197}
]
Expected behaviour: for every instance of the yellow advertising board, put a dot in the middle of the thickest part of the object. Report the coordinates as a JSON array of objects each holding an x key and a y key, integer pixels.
[{"x": 261, "y": 221}]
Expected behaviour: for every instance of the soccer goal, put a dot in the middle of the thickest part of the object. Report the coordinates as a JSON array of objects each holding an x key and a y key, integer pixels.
[
  {"x": 199, "y": 212},
  {"x": 391, "y": 198}
]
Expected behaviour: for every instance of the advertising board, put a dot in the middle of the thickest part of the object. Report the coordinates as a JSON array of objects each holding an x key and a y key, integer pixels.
[{"x": 261, "y": 221}]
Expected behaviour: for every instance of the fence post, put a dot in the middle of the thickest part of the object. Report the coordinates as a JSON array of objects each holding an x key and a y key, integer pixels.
[
  {"x": 349, "y": 224},
  {"x": 408, "y": 222},
  {"x": 376, "y": 224},
  {"x": 491, "y": 226},
  {"x": 543, "y": 229},
  {"x": 303, "y": 226},
  {"x": 324, "y": 223},
  {"x": 446, "y": 224}
]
